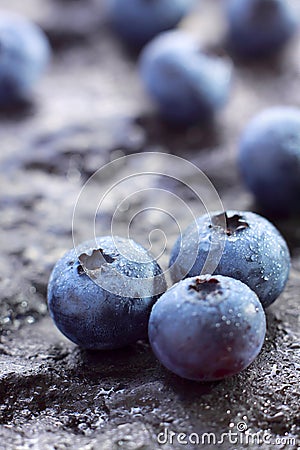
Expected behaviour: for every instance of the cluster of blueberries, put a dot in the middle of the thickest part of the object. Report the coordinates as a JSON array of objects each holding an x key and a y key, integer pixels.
[
  {"x": 205, "y": 327},
  {"x": 189, "y": 85}
]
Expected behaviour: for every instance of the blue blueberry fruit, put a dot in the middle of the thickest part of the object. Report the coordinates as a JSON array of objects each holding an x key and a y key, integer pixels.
[
  {"x": 259, "y": 27},
  {"x": 269, "y": 159},
  {"x": 138, "y": 21},
  {"x": 207, "y": 328},
  {"x": 187, "y": 84},
  {"x": 254, "y": 252},
  {"x": 100, "y": 294},
  {"x": 24, "y": 54}
]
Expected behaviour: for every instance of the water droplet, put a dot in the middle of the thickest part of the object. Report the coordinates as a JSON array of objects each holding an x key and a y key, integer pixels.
[
  {"x": 30, "y": 319},
  {"x": 5, "y": 320}
]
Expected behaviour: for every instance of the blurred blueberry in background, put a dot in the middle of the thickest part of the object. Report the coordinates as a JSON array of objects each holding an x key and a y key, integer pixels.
[
  {"x": 259, "y": 27},
  {"x": 269, "y": 159},
  {"x": 189, "y": 85},
  {"x": 24, "y": 55},
  {"x": 138, "y": 21}
]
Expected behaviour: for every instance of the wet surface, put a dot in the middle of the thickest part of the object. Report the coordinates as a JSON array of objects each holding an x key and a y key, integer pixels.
[{"x": 88, "y": 110}]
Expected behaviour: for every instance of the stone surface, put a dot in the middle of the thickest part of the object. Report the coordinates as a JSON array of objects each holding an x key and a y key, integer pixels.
[{"x": 89, "y": 109}]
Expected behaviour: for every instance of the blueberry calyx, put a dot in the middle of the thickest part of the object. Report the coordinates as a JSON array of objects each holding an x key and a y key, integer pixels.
[
  {"x": 204, "y": 286},
  {"x": 96, "y": 260},
  {"x": 232, "y": 224}
]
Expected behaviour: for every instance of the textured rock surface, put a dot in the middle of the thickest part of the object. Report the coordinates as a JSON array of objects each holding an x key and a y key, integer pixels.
[{"x": 88, "y": 110}]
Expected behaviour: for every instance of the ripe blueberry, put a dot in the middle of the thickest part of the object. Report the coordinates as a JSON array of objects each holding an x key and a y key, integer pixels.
[
  {"x": 24, "y": 54},
  {"x": 188, "y": 85},
  {"x": 254, "y": 252},
  {"x": 138, "y": 21},
  {"x": 269, "y": 159},
  {"x": 207, "y": 328},
  {"x": 114, "y": 311},
  {"x": 259, "y": 27}
]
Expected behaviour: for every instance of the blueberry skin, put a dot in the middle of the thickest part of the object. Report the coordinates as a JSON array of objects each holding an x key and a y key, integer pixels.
[
  {"x": 254, "y": 253},
  {"x": 259, "y": 27},
  {"x": 188, "y": 85},
  {"x": 90, "y": 315},
  {"x": 269, "y": 159},
  {"x": 207, "y": 328},
  {"x": 24, "y": 55},
  {"x": 138, "y": 21}
]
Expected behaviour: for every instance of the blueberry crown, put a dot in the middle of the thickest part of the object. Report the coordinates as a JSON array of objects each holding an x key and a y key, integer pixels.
[
  {"x": 205, "y": 287},
  {"x": 94, "y": 261},
  {"x": 228, "y": 225}
]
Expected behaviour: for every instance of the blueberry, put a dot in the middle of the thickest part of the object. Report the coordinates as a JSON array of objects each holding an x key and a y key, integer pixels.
[
  {"x": 207, "y": 328},
  {"x": 138, "y": 21},
  {"x": 100, "y": 294},
  {"x": 269, "y": 159},
  {"x": 254, "y": 252},
  {"x": 24, "y": 54},
  {"x": 188, "y": 85},
  {"x": 259, "y": 27}
]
